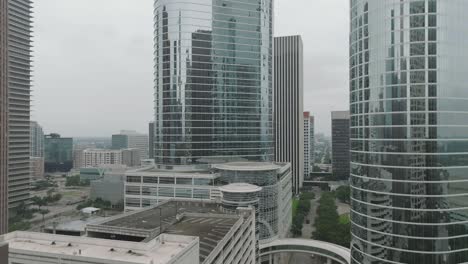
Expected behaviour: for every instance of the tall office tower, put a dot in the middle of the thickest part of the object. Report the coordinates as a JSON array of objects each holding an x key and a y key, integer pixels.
[
  {"x": 340, "y": 145},
  {"x": 213, "y": 81},
  {"x": 151, "y": 140},
  {"x": 307, "y": 144},
  {"x": 37, "y": 140},
  {"x": 288, "y": 83},
  {"x": 19, "y": 89},
  {"x": 131, "y": 139},
  {"x": 3, "y": 117},
  {"x": 409, "y": 161}
]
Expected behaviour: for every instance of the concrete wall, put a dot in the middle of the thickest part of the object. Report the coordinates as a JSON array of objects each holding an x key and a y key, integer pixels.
[{"x": 3, "y": 253}]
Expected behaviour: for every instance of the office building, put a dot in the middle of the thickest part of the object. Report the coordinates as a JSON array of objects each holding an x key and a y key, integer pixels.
[
  {"x": 92, "y": 158},
  {"x": 149, "y": 186},
  {"x": 37, "y": 139},
  {"x": 19, "y": 94},
  {"x": 213, "y": 82},
  {"x": 340, "y": 145},
  {"x": 58, "y": 153},
  {"x": 288, "y": 89},
  {"x": 151, "y": 140},
  {"x": 408, "y": 75},
  {"x": 131, "y": 139},
  {"x": 3, "y": 117},
  {"x": 308, "y": 144}
]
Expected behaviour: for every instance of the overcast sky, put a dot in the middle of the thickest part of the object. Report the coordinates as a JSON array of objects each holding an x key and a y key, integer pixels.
[{"x": 93, "y": 64}]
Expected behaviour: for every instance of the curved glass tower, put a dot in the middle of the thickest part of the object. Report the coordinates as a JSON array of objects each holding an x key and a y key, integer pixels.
[
  {"x": 409, "y": 131},
  {"x": 213, "y": 83}
]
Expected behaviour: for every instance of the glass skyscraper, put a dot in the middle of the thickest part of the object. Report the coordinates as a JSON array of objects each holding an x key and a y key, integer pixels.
[
  {"x": 213, "y": 81},
  {"x": 409, "y": 131}
]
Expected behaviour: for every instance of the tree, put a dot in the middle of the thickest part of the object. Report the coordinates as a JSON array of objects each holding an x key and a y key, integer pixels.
[
  {"x": 38, "y": 201},
  {"x": 343, "y": 193},
  {"x": 327, "y": 223},
  {"x": 43, "y": 212}
]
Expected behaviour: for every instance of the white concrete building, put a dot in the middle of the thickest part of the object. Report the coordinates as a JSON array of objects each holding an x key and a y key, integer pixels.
[
  {"x": 150, "y": 186},
  {"x": 92, "y": 158},
  {"x": 34, "y": 248}
]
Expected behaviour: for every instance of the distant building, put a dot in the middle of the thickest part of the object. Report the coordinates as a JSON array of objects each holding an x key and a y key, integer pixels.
[
  {"x": 78, "y": 158},
  {"x": 37, "y": 139},
  {"x": 58, "y": 153},
  {"x": 109, "y": 188},
  {"x": 95, "y": 157},
  {"x": 37, "y": 167},
  {"x": 288, "y": 105},
  {"x": 312, "y": 142},
  {"x": 340, "y": 145},
  {"x": 308, "y": 143},
  {"x": 131, "y": 139},
  {"x": 151, "y": 140}
]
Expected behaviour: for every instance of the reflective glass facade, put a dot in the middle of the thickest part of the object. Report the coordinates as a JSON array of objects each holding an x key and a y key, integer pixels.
[
  {"x": 409, "y": 131},
  {"x": 213, "y": 81}
]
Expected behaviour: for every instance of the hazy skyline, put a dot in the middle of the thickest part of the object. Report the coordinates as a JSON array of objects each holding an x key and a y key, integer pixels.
[{"x": 93, "y": 62}]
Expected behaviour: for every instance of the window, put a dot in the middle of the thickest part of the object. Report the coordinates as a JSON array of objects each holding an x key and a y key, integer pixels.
[
  {"x": 166, "y": 180},
  {"x": 417, "y": 21},
  {"x": 134, "y": 179},
  {"x": 417, "y": 49},
  {"x": 432, "y": 20},
  {"x": 183, "y": 193},
  {"x": 432, "y": 32},
  {"x": 417, "y": 7},
  {"x": 417, "y": 35},
  {"x": 184, "y": 181},
  {"x": 153, "y": 180}
]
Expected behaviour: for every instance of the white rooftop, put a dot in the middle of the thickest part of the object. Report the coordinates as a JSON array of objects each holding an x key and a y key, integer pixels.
[
  {"x": 153, "y": 252},
  {"x": 240, "y": 188},
  {"x": 247, "y": 166}
]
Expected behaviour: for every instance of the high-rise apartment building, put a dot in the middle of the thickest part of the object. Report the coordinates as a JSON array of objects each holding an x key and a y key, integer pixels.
[
  {"x": 19, "y": 91},
  {"x": 37, "y": 139},
  {"x": 312, "y": 142},
  {"x": 340, "y": 145},
  {"x": 308, "y": 143},
  {"x": 288, "y": 112},
  {"x": 151, "y": 140},
  {"x": 409, "y": 161},
  {"x": 131, "y": 139},
  {"x": 213, "y": 81},
  {"x": 3, "y": 117},
  {"x": 58, "y": 153}
]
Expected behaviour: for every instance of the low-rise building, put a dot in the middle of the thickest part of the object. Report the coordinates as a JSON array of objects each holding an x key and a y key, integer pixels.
[
  {"x": 149, "y": 186},
  {"x": 225, "y": 237},
  {"x": 29, "y": 247}
]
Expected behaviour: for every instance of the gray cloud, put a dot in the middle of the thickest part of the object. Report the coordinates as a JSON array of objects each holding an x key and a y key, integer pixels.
[{"x": 94, "y": 62}]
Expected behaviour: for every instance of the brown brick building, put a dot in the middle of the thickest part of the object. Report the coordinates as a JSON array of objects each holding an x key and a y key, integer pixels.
[{"x": 15, "y": 93}]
